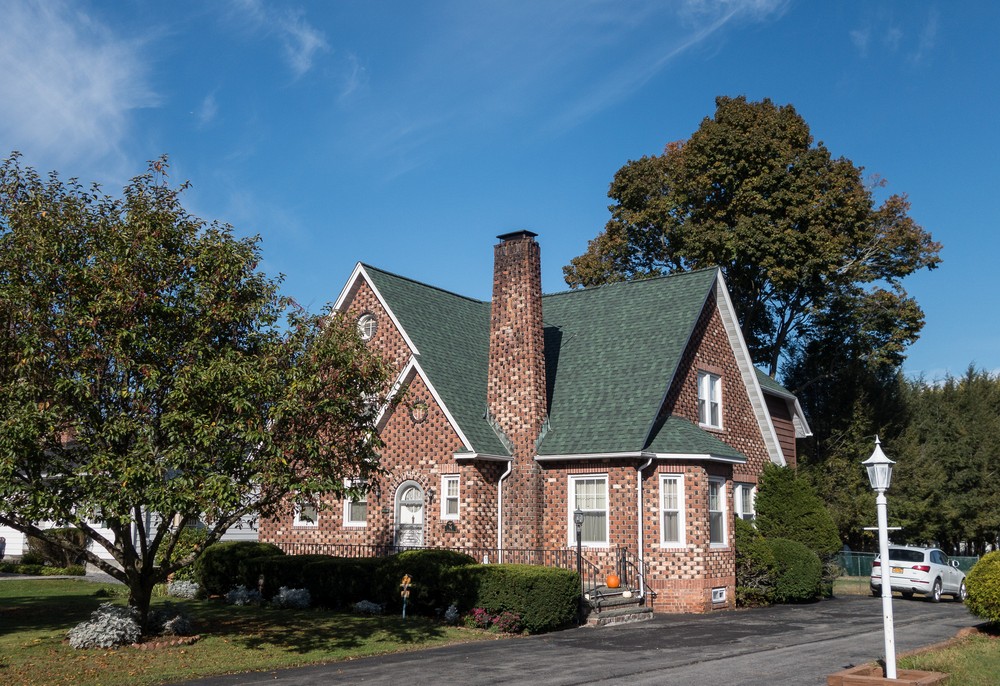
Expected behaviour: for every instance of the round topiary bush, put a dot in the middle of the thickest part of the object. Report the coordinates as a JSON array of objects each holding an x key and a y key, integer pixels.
[
  {"x": 798, "y": 571},
  {"x": 983, "y": 585}
]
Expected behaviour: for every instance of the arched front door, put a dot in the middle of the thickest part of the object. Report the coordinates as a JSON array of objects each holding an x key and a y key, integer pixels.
[{"x": 410, "y": 514}]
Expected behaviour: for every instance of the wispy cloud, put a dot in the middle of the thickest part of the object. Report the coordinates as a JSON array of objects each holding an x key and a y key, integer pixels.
[
  {"x": 882, "y": 33},
  {"x": 70, "y": 86},
  {"x": 207, "y": 111},
  {"x": 301, "y": 42}
]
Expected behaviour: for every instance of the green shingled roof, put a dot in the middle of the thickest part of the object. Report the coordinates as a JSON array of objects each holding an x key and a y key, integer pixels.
[
  {"x": 769, "y": 384},
  {"x": 610, "y": 353}
]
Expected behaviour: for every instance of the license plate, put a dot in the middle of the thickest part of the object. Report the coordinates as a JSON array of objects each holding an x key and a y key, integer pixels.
[{"x": 897, "y": 570}]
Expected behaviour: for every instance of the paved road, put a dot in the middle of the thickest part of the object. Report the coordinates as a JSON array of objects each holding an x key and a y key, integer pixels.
[{"x": 793, "y": 645}]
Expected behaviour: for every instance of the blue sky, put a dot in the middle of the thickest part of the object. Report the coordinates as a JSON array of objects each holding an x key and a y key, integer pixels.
[{"x": 409, "y": 134}]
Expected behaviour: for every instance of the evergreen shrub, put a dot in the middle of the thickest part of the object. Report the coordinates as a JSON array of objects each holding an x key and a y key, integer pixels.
[
  {"x": 799, "y": 571},
  {"x": 217, "y": 569},
  {"x": 545, "y": 598},
  {"x": 278, "y": 570},
  {"x": 755, "y": 567},
  {"x": 983, "y": 585},
  {"x": 432, "y": 589},
  {"x": 340, "y": 582}
]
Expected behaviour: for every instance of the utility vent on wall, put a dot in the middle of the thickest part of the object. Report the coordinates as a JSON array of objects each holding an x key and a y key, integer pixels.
[{"x": 718, "y": 595}]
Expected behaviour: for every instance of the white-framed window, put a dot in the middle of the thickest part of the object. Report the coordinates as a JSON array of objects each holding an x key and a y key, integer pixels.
[
  {"x": 356, "y": 507},
  {"x": 306, "y": 514},
  {"x": 717, "y": 511},
  {"x": 449, "y": 496},
  {"x": 671, "y": 510},
  {"x": 367, "y": 324},
  {"x": 744, "y": 497},
  {"x": 710, "y": 400},
  {"x": 589, "y": 494}
]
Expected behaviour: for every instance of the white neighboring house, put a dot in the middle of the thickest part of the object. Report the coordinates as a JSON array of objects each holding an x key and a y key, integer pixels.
[{"x": 16, "y": 542}]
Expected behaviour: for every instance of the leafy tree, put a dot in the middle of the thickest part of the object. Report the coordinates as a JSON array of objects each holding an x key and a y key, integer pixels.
[
  {"x": 807, "y": 253},
  {"x": 151, "y": 376}
]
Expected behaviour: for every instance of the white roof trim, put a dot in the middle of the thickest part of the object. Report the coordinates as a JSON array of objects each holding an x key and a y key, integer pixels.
[
  {"x": 642, "y": 454},
  {"x": 704, "y": 457},
  {"x": 595, "y": 456},
  {"x": 483, "y": 456},
  {"x": 351, "y": 287},
  {"x": 728, "y": 315}
]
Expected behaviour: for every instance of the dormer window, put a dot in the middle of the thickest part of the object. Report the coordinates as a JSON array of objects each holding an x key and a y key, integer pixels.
[{"x": 367, "y": 324}]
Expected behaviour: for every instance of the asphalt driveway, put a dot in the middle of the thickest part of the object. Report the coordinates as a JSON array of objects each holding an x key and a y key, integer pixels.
[{"x": 793, "y": 645}]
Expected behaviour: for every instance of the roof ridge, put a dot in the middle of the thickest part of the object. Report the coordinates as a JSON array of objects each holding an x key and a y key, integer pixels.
[
  {"x": 421, "y": 283},
  {"x": 661, "y": 277}
]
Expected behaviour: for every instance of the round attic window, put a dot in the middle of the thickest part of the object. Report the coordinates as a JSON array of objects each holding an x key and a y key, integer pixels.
[{"x": 367, "y": 324}]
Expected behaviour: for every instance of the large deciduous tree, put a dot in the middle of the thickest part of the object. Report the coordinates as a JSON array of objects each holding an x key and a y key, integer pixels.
[
  {"x": 152, "y": 377},
  {"x": 806, "y": 250}
]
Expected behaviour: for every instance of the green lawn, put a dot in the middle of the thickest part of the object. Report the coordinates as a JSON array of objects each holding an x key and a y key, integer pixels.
[
  {"x": 35, "y": 616},
  {"x": 971, "y": 661}
]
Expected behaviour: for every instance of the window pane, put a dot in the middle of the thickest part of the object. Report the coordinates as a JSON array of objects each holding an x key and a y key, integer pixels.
[
  {"x": 671, "y": 526},
  {"x": 358, "y": 511},
  {"x": 715, "y": 526},
  {"x": 451, "y": 506},
  {"x": 452, "y": 488},
  {"x": 670, "y": 495},
  {"x": 595, "y": 527}
]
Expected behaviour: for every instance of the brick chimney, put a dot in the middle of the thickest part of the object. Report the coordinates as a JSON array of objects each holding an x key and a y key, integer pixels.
[{"x": 516, "y": 395}]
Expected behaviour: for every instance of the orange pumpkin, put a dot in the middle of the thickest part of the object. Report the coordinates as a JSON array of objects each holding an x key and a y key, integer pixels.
[{"x": 614, "y": 581}]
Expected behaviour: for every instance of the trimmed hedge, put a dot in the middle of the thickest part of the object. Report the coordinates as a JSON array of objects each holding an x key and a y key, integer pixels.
[
  {"x": 432, "y": 590},
  {"x": 278, "y": 570},
  {"x": 545, "y": 598},
  {"x": 339, "y": 582},
  {"x": 799, "y": 571},
  {"x": 983, "y": 585},
  {"x": 217, "y": 569}
]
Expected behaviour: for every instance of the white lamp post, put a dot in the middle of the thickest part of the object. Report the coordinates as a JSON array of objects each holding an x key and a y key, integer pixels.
[{"x": 880, "y": 475}]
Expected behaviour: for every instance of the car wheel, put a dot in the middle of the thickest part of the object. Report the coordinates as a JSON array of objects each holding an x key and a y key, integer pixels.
[
  {"x": 876, "y": 592},
  {"x": 962, "y": 594},
  {"x": 907, "y": 594},
  {"x": 935, "y": 596}
]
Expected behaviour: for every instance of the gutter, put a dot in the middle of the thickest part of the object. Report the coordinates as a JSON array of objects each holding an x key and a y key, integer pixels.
[
  {"x": 510, "y": 466},
  {"x": 638, "y": 490}
]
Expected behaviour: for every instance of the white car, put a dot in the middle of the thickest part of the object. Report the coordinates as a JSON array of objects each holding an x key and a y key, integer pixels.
[{"x": 920, "y": 570}]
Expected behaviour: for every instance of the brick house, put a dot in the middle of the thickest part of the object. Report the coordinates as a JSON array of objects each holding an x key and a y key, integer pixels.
[{"x": 635, "y": 403}]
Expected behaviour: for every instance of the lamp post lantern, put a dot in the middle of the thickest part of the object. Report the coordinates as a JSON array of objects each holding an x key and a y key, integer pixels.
[
  {"x": 880, "y": 475},
  {"x": 578, "y": 521}
]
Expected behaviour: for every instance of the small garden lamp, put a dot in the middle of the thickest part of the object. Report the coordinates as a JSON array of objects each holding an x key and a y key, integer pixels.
[{"x": 880, "y": 475}]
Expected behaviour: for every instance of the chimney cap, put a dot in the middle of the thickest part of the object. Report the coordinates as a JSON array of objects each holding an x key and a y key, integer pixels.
[{"x": 517, "y": 234}]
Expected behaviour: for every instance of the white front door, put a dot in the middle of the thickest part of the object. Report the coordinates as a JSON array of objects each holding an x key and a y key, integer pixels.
[{"x": 410, "y": 515}]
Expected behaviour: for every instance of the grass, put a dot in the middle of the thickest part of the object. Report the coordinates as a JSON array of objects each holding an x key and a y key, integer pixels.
[
  {"x": 851, "y": 585},
  {"x": 971, "y": 661},
  {"x": 35, "y": 616}
]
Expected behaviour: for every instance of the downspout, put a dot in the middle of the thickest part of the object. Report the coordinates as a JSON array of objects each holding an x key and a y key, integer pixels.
[
  {"x": 638, "y": 489},
  {"x": 510, "y": 466}
]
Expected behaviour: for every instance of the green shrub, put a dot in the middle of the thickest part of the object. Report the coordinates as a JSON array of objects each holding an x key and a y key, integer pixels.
[
  {"x": 545, "y": 598},
  {"x": 217, "y": 569},
  {"x": 340, "y": 582},
  {"x": 755, "y": 567},
  {"x": 431, "y": 588},
  {"x": 32, "y": 559},
  {"x": 191, "y": 537},
  {"x": 983, "y": 585},
  {"x": 788, "y": 507},
  {"x": 277, "y": 570},
  {"x": 799, "y": 571},
  {"x": 56, "y": 555}
]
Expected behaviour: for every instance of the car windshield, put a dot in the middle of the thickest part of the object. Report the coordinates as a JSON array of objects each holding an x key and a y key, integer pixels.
[{"x": 903, "y": 555}]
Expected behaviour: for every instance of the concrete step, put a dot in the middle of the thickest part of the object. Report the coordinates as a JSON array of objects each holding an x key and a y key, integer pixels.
[{"x": 622, "y": 614}]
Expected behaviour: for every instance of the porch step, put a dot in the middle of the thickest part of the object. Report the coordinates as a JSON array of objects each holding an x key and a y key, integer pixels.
[{"x": 615, "y": 606}]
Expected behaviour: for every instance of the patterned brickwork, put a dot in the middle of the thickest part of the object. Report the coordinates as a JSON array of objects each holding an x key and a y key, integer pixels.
[
  {"x": 419, "y": 451},
  {"x": 515, "y": 392},
  {"x": 709, "y": 350}
]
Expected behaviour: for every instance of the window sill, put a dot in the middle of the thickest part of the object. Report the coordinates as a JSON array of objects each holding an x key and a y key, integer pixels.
[{"x": 712, "y": 428}]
